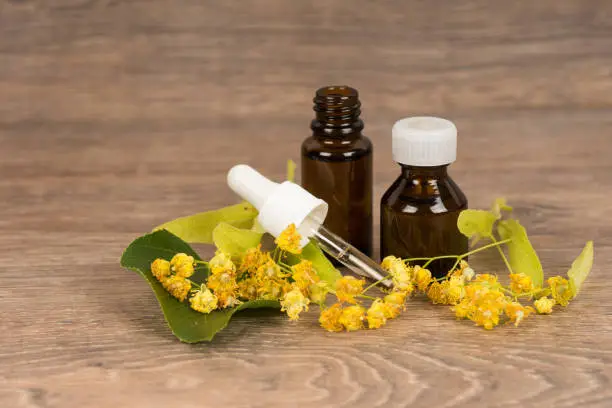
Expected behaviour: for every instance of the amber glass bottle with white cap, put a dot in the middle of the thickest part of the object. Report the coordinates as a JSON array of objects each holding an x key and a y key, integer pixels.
[{"x": 419, "y": 211}]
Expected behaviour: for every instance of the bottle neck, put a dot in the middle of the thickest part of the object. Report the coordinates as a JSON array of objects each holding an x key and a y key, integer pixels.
[
  {"x": 337, "y": 110},
  {"x": 426, "y": 172}
]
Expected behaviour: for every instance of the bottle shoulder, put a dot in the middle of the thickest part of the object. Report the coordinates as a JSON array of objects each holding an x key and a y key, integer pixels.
[
  {"x": 336, "y": 148},
  {"x": 419, "y": 195}
]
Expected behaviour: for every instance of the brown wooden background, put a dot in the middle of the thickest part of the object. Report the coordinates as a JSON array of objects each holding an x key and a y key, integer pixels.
[{"x": 118, "y": 115}]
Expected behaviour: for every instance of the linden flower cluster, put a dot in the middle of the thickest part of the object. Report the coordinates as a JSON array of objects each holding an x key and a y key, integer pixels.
[
  {"x": 350, "y": 315},
  {"x": 258, "y": 275},
  {"x": 285, "y": 277},
  {"x": 173, "y": 275},
  {"x": 261, "y": 275},
  {"x": 482, "y": 299}
]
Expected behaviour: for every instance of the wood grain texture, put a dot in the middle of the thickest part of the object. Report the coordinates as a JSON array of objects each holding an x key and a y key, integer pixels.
[{"x": 118, "y": 115}]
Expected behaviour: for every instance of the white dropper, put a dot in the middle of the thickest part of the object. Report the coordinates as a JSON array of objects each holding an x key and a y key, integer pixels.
[{"x": 282, "y": 204}]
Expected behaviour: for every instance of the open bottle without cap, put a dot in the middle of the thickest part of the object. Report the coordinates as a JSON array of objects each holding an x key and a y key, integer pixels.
[
  {"x": 282, "y": 204},
  {"x": 336, "y": 164}
]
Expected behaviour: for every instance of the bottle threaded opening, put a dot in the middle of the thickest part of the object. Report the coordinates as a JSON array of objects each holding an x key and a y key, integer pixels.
[{"x": 337, "y": 106}]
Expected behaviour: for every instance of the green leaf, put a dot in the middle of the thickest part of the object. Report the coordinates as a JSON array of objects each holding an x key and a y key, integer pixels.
[
  {"x": 159, "y": 244},
  {"x": 235, "y": 241},
  {"x": 521, "y": 255},
  {"x": 325, "y": 269},
  {"x": 257, "y": 227},
  {"x": 199, "y": 228},
  {"x": 291, "y": 170},
  {"x": 186, "y": 324},
  {"x": 476, "y": 224},
  {"x": 499, "y": 205},
  {"x": 580, "y": 268}
]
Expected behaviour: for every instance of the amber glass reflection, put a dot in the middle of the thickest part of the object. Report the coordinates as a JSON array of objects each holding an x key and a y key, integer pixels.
[{"x": 419, "y": 217}]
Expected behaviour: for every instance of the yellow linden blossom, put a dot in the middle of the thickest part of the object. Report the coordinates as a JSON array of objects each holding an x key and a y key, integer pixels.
[
  {"x": 396, "y": 267},
  {"x": 422, "y": 278},
  {"x": 485, "y": 317},
  {"x": 204, "y": 301},
  {"x": 463, "y": 309},
  {"x": 352, "y": 317},
  {"x": 222, "y": 280},
  {"x": 304, "y": 275},
  {"x": 487, "y": 310},
  {"x": 247, "y": 288},
  {"x": 177, "y": 286},
  {"x": 483, "y": 294},
  {"x": 223, "y": 284},
  {"x": 474, "y": 291},
  {"x": 481, "y": 304},
  {"x": 272, "y": 289},
  {"x": 252, "y": 259},
  {"x": 466, "y": 272},
  {"x": 406, "y": 289},
  {"x": 517, "y": 312},
  {"x": 160, "y": 268},
  {"x": 400, "y": 273},
  {"x": 377, "y": 314},
  {"x": 402, "y": 281},
  {"x": 389, "y": 261},
  {"x": 269, "y": 270},
  {"x": 294, "y": 302},
  {"x": 289, "y": 240},
  {"x": 182, "y": 265},
  {"x": 559, "y": 288},
  {"x": 221, "y": 262},
  {"x": 330, "y": 318},
  {"x": 444, "y": 300},
  {"x": 395, "y": 302},
  {"x": 318, "y": 292},
  {"x": 485, "y": 278},
  {"x": 227, "y": 299},
  {"x": 436, "y": 292},
  {"x": 520, "y": 283},
  {"x": 454, "y": 290},
  {"x": 348, "y": 287},
  {"x": 544, "y": 305}
]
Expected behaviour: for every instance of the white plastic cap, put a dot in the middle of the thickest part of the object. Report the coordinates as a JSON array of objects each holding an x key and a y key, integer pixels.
[
  {"x": 424, "y": 141},
  {"x": 278, "y": 204}
]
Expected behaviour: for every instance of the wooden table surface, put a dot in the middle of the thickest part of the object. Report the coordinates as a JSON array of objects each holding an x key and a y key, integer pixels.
[{"x": 118, "y": 115}]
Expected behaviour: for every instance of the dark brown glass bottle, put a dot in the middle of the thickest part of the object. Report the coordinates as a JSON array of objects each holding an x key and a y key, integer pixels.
[
  {"x": 337, "y": 165},
  {"x": 419, "y": 211}
]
